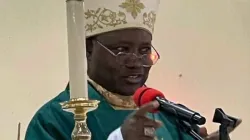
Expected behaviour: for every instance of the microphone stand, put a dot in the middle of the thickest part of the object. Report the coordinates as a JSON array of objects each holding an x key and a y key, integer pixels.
[
  {"x": 186, "y": 127},
  {"x": 225, "y": 121},
  {"x": 224, "y": 135}
]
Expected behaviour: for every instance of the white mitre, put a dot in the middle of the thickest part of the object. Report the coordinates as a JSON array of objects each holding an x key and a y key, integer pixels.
[{"x": 110, "y": 15}]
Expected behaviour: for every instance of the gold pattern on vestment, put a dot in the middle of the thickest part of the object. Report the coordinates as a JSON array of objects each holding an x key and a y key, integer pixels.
[{"x": 117, "y": 101}]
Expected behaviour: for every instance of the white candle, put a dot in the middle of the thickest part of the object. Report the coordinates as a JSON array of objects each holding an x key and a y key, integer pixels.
[{"x": 77, "y": 49}]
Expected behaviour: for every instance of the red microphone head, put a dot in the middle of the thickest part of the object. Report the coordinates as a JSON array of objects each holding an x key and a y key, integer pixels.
[{"x": 145, "y": 95}]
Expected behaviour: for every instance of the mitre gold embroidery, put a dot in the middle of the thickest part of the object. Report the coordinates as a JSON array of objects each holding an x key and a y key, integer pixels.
[
  {"x": 133, "y": 6},
  {"x": 104, "y": 17},
  {"x": 149, "y": 19}
]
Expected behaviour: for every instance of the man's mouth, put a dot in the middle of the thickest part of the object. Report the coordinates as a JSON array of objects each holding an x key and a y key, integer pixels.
[
  {"x": 133, "y": 79},
  {"x": 133, "y": 76}
]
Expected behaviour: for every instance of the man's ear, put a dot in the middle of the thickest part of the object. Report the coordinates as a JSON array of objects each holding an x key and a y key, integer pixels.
[{"x": 89, "y": 48}]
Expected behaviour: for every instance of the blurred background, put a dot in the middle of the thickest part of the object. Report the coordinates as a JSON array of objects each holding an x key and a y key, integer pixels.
[{"x": 204, "y": 47}]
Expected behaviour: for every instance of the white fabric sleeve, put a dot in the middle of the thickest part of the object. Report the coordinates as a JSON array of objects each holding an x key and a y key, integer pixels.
[{"x": 116, "y": 135}]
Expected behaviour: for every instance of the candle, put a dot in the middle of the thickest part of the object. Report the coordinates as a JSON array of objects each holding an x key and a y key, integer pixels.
[{"x": 77, "y": 49}]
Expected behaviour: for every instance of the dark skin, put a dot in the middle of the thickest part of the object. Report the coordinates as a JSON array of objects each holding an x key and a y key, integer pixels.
[
  {"x": 104, "y": 69},
  {"x": 133, "y": 127}
]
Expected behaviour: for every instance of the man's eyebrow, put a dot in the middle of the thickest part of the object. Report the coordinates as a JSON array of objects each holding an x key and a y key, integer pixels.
[{"x": 146, "y": 43}]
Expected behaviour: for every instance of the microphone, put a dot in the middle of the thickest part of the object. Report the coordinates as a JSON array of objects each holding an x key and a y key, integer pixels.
[{"x": 145, "y": 95}]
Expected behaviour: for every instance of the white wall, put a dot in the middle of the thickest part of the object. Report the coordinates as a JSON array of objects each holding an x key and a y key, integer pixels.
[{"x": 208, "y": 42}]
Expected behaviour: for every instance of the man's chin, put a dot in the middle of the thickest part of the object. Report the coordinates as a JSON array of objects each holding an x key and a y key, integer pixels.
[{"x": 129, "y": 90}]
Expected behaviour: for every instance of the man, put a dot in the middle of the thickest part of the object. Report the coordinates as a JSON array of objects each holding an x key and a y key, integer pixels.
[{"x": 120, "y": 55}]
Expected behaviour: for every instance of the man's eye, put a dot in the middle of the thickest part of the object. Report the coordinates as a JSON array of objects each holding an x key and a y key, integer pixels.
[
  {"x": 122, "y": 48},
  {"x": 145, "y": 50}
]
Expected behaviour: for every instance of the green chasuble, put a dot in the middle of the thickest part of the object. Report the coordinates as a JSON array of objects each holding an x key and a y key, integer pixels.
[{"x": 52, "y": 123}]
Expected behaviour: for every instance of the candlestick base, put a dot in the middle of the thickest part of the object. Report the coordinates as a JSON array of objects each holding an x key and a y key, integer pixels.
[{"x": 80, "y": 107}]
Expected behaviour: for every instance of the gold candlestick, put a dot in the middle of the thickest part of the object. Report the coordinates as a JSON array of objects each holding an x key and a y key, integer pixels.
[
  {"x": 79, "y": 103},
  {"x": 80, "y": 107}
]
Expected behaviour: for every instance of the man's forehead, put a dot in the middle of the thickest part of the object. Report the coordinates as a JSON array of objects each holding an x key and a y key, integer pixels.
[{"x": 126, "y": 35}]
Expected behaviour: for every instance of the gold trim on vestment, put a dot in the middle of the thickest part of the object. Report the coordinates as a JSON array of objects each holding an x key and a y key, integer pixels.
[{"x": 115, "y": 100}]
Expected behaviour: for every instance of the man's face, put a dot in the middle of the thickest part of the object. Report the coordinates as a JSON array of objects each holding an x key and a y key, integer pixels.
[{"x": 106, "y": 70}]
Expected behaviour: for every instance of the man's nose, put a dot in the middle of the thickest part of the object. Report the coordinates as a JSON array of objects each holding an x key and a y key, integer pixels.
[{"x": 133, "y": 61}]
